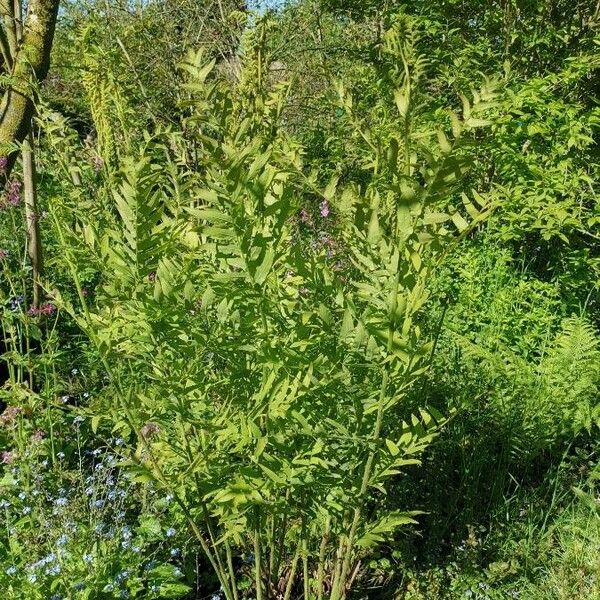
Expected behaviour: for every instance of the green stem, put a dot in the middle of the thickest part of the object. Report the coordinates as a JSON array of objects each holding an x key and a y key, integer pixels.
[
  {"x": 257, "y": 564},
  {"x": 337, "y": 571},
  {"x": 271, "y": 542},
  {"x": 280, "y": 546},
  {"x": 305, "y": 577},
  {"x": 322, "y": 555},
  {"x": 290, "y": 581},
  {"x": 231, "y": 569}
]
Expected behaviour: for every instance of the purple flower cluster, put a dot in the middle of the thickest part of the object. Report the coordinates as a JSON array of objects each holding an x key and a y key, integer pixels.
[
  {"x": 38, "y": 435},
  {"x": 14, "y": 192},
  {"x": 7, "y": 457},
  {"x": 3, "y": 254},
  {"x": 47, "y": 309},
  {"x": 10, "y": 414},
  {"x": 307, "y": 219}
]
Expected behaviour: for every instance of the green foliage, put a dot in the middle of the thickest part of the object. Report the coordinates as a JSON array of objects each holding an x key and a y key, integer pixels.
[
  {"x": 254, "y": 378},
  {"x": 324, "y": 299}
]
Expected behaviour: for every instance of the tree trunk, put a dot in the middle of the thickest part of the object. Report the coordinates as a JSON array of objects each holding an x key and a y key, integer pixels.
[{"x": 28, "y": 64}]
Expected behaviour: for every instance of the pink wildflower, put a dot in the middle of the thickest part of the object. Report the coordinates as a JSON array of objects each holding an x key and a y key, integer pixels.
[
  {"x": 10, "y": 414},
  {"x": 47, "y": 309},
  {"x": 14, "y": 192},
  {"x": 38, "y": 435},
  {"x": 7, "y": 457}
]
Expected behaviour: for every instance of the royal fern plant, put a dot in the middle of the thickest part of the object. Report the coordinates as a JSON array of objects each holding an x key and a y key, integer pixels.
[{"x": 260, "y": 374}]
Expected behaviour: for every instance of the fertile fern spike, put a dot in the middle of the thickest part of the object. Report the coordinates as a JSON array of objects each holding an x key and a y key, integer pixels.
[{"x": 107, "y": 101}]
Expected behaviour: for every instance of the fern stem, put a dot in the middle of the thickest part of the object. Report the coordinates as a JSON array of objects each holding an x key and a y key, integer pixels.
[
  {"x": 292, "y": 576},
  {"x": 231, "y": 569},
  {"x": 322, "y": 556},
  {"x": 257, "y": 563},
  {"x": 337, "y": 569},
  {"x": 339, "y": 590},
  {"x": 305, "y": 577}
]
